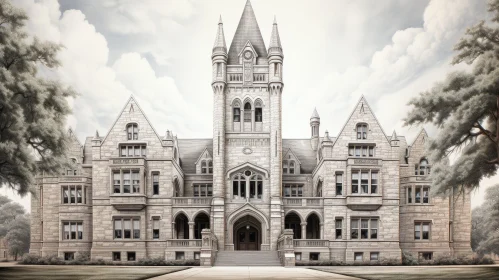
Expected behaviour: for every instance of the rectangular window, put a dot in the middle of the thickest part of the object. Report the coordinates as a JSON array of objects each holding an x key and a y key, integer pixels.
[
  {"x": 374, "y": 182},
  {"x": 135, "y": 182},
  {"x": 258, "y": 114},
  {"x": 130, "y": 256},
  {"x": 133, "y": 150},
  {"x": 127, "y": 228},
  {"x": 427, "y": 256},
  {"x": 197, "y": 255},
  {"x": 130, "y": 182},
  {"x": 297, "y": 256},
  {"x": 292, "y": 190},
  {"x": 69, "y": 256},
  {"x": 361, "y": 150},
  {"x": 179, "y": 255},
  {"x": 203, "y": 190},
  {"x": 155, "y": 183},
  {"x": 117, "y": 181},
  {"x": 354, "y": 229},
  {"x": 426, "y": 195},
  {"x": 358, "y": 256},
  {"x": 368, "y": 228},
  {"x": 409, "y": 195},
  {"x": 418, "y": 194},
  {"x": 374, "y": 256},
  {"x": 79, "y": 195},
  {"x": 314, "y": 256},
  {"x": 72, "y": 230},
  {"x": 237, "y": 114},
  {"x": 339, "y": 226},
  {"x": 126, "y": 181},
  {"x": 72, "y": 195},
  {"x": 339, "y": 184},
  {"x": 355, "y": 182},
  {"x": 155, "y": 228},
  {"x": 116, "y": 256},
  {"x": 65, "y": 193},
  {"x": 364, "y": 181},
  {"x": 422, "y": 230}
]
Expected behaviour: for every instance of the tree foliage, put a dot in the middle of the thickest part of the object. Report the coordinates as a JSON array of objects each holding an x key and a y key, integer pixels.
[
  {"x": 14, "y": 227},
  {"x": 466, "y": 109},
  {"x": 485, "y": 224},
  {"x": 33, "y": 109}
]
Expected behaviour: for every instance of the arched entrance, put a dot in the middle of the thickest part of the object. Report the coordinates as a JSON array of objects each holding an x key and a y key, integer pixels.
[{"x": 247, "y": 234}]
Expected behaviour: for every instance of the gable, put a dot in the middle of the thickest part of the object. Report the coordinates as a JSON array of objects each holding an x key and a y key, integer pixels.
[
  {"x": 131, "y": 114},
  {"x": 417, "y": 150},
  {"x": 361, "y": 114},
  {"x": 204, "y": 155},
  {"x": 75, "y": 149}
]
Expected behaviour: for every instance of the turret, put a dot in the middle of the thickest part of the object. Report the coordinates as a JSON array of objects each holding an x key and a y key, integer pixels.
[
  {"x": 276, "y": 55},
  {"x": 219, "y": 57},
  {"x": 315, "y": 122}
]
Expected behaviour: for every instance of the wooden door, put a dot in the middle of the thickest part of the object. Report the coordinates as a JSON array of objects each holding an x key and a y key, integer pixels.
[{"x": 247, "y": 239}]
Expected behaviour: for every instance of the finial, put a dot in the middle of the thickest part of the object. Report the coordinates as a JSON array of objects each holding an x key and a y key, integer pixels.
[
  {"x": 275, "y": 20},
  {"x": 96, "y": 134},
  {"x": 220, "y": 20}
]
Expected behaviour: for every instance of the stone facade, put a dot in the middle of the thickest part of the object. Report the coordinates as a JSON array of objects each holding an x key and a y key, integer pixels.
[{"x": 134, "y": 194}]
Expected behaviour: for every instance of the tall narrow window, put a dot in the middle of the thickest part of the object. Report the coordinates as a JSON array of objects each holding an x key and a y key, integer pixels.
[
  {"x": 339, "y": 228},
  {"x": 339, "y": 184},
  {"x": 204, "y": 167},
  {"x": 132, "y": 131},
  {"x": 291, "y": 167},
  {"x": 364, "y": 228},
  {"x": 239, "y": 186},
  {"x": 237, "y": 112},
  {"x": 247, "y": 112},
  {"x": 135, "y": 182},
  {"x": 210, "y": 167},
  {"x": 354, "y": 229},
  {"x": 126, "y": 182},
  {"x": 258, "y": 111},
  {"x": 355, "y": 182},
  {"x": 256, "y": 186},
  {"x": 155, "y": 183},
  {"x": 155, "y": 228},
  {"x": 364, "y": 181},
  {"x": 284, "y": 167},
  {"x": 409, "y": 195},
  {"x": 362, "y": 131},
  {"x": 418, "y": 194},
  {"x": 425, "y": 195},
  {"x": 374, "y": 182},
  {"x": 374, "y": 229},
  {"x": 117, "y": 181},
  {"x": 319, "y": 189}
]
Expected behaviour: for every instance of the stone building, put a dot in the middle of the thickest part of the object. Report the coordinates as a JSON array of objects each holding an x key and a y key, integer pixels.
[{"x": 134, "y": 193}]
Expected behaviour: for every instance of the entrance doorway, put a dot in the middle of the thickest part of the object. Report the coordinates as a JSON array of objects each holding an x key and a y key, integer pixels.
[
  {"x": 247, "y": 239},
  {"x": 247, "y": 234}
]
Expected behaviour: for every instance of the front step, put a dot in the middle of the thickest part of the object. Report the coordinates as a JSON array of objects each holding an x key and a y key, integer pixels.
[{"x": 247, "y": 258}]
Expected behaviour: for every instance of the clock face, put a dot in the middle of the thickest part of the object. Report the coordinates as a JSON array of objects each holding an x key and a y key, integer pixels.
[{"x": 248, "y": 55}]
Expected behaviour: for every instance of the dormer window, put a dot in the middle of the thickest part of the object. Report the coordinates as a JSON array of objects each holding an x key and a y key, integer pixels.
[
  {"x": 132, "y": 131},
  {"x": 210, "y": 167},
  {"x": 362, "y": 131},
  {"x": 423, "y": 168}
]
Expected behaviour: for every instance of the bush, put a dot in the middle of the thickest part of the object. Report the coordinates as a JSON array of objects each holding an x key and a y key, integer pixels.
[
  {"x": 409, "y": 259},
  {"x": 83, "y": 259}
]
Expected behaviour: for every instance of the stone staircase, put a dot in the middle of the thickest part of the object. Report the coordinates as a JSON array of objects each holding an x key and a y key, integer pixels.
[{"x": 247, "y": 258}]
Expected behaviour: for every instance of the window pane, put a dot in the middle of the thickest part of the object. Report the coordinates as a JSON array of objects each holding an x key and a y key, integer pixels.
[
  {"x": 235, "y": 188},
  {"x": 136, "y": 229},
  {"x": 126, "y": 182},
  {"x": 80, "y": 231},
  {"x": 365, "y": 182},
  {"x": 73, "y": 230},
  {"x": 66, "y": 195},
  {"x": 116, "y": 182},
  {"x": 350, "y": 151},
  {"x": 196, "y": 190},
  {"x": 79, "y": 195},
  {"x": 127, "y": 229},
  {"x": 258, "y": 115},
  {"x": 425, "y": 195},
  {"x": 237, "y": 115},
  {"x": 136, "y": 182},
  {"x": 117, "y": 229},
  {"x": 210, "y": 190},
  {"x": 418, "y": 195},
  {"x": 73, "y": 195},
  {"x": 409, "y": 195},
  {"x": 66, "y": 230}
]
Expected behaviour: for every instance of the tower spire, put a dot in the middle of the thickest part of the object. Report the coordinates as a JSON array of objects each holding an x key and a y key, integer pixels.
[
  {"x": 275, "y": 46},
  {"x": 220, "y": 45}
]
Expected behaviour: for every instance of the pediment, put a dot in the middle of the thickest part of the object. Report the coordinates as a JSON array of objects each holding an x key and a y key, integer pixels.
[
  {"x": 204, "y": 155},
  {"x": 247, "y": 165}
]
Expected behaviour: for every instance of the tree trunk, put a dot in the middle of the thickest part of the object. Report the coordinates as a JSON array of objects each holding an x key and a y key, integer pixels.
[
  {"x": 497, "y": 131},
  {"x": 15, "y": 257}
]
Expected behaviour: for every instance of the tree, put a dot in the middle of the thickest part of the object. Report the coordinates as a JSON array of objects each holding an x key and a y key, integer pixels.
[
  {"x": 466, "y": 109},
  {"x": 485, "y": 224},
  {"x": 18, "y": 236},
  {"x": 33, "y": 110}
]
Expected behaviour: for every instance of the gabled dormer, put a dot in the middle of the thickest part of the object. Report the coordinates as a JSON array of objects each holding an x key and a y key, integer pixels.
[
  {"x": 290, "y": 163},
  {"x": 247, "y": 54},
  {"x": 75, "y": 155},
  {"x": 204, "y": 164},
  {"x": 418, "y": 159}
]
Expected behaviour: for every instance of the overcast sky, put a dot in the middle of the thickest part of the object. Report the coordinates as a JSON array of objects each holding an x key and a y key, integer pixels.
[{"x": 335, "y": 51}]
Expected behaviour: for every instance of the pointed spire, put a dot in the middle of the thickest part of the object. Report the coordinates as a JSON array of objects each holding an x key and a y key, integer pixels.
[
  {"x": 275, "y": 40},
  {"x": 315, "y": 115},
  {"x": 247, "y": 30},
  {"x": 220, "y": 39},
  {"x": 394, "y": 136},
  {"x": 96, "y": 134}
]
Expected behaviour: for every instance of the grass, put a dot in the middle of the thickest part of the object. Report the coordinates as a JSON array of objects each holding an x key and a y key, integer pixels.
[
  {"x": 83, "y": 272},
  {"x": 416, "y": 273}
]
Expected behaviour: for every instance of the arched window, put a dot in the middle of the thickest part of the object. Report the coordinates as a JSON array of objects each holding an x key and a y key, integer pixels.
[
  {"x": 210, "y": 167},
  {"x": 256, "y": 186},
  {"x": 423, "y": 168},
  {"x": 236, "y": 112},
  {"x": 362, "y": 131},
  {"x": 258, "y": 111},
  {"x": 132, "y": 131},
  {"x": 291, "y": 167},
  {"x": 239, "y": 186},
  {"x": 204, "y": 167},
  {"x": 247, "y": 112}
]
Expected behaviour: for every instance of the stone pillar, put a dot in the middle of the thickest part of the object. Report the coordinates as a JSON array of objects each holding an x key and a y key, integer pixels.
[
  {"x": 289, "y": 249},
  {"x": 304, "y": 230},
  {"x": 174, "y": 231},
  {"x": 322, "y": 230},
  {"x": 208, "y": 253},
  {"x": 191, "y": 230}
]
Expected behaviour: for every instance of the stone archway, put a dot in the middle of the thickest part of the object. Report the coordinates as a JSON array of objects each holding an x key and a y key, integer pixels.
[
  {"x": 247, "y": 234},
  {"x": 244, "y": 216}
]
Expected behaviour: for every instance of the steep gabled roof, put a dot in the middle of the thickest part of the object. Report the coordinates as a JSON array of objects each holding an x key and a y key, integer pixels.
[
  {"x": 362, "y": 101},
  {"x": 201, "y": 155},
  {"x": 189, "y": 151},
  {"x": 289, "y": 151},
  {"x": 303, "y": 151},
  {"x": 247, "y": 30}
]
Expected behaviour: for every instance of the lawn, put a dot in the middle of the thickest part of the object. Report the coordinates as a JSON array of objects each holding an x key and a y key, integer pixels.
[
  {"x": 54, "y": 272},
  {"x": 416, "y": 273}
]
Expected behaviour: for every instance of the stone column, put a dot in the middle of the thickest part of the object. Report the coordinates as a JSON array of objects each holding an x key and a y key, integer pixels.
[
  {"x": 289, "y": 249},
  {"x": 174, "y": 231},
  {"x": 322, "y": 230},
  {"x": 191, "y": 230},
  {"x": 304, "y": 230}
]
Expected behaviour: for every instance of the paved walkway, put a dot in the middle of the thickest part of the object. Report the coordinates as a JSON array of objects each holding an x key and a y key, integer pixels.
[{"x": 221, "y": 273}]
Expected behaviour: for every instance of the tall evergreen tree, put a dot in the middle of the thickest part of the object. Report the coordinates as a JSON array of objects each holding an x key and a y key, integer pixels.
[
  {"x": 33, "y": 110},
  {"x": 466, "y": 109}
]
